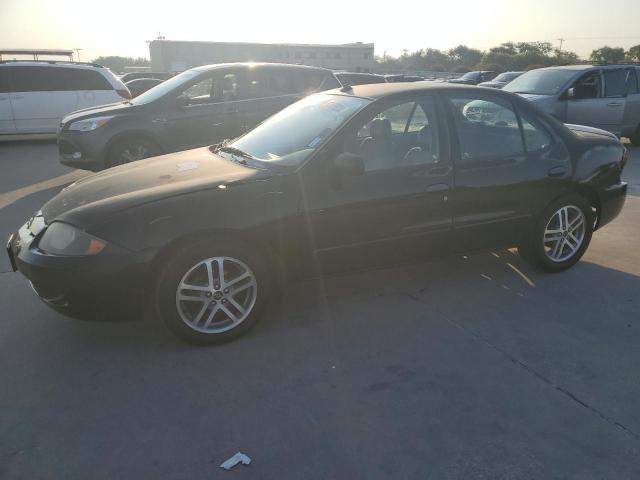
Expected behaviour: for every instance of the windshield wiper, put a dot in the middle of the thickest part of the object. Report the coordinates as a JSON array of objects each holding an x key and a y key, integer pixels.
[{"x": 233, "y": 151}]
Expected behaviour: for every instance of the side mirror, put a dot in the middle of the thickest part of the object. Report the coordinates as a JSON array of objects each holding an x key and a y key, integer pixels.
[
  {"x": 349, "y": 164},
  {"x": 571, "y": 93},
  {"x": 182, "y": 102}
]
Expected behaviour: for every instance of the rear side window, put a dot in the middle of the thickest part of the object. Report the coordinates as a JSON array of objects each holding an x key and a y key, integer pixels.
[
  {"x": 312, "y": 81},
  {"x": 488, "y": 129},
  {"x": 633, "y": 81},
  {"x": 267, "y": 82},
  {"x": 4, "y": 80},
  {"x": 615, "y": 82},
  {"x": 53, "y": 79}
]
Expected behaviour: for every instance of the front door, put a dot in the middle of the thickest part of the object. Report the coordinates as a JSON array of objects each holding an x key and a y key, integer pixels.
[
  {"x": 205, "y": 112},
  {"x": 599, "y": 100},
  {"x": 399, "y": 207}
]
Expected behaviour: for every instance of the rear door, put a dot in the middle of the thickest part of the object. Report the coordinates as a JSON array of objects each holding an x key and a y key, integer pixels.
[
  {"x": 41, "y": 97},
  {"x": 502, "y": 175},
  {"x": 7, "y": 125},
  {"x": 631, "y": 121}
]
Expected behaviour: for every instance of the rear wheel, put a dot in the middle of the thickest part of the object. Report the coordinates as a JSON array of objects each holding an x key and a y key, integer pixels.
[
  {"x": 130, "y": 150},
  {"x": 561, "y": 234},
  {"x": 212, "y": 292}
]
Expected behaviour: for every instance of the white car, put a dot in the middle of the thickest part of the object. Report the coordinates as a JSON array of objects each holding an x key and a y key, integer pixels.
[{"x": 35, "y": 95}]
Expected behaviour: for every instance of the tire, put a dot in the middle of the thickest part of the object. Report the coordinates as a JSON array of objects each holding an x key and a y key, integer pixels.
[
  {"x": 635, "y": 138},
  {"x": 552, "y": 247},
  {"x": 131, "y": 150},
  {"x": 204, "y": 316}
]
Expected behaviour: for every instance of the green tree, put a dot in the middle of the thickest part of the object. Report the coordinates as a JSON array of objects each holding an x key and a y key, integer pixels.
[
  {"x": 117, "y": 64},
  {"x": 608, "y": 55},
  {"x": 463, "y": 55},
  {"x": 633, "y": 54}
]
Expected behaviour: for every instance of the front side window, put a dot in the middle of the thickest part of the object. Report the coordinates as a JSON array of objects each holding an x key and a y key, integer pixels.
[
  {"x": 289, "y": 137},
  {"x": 588, "y": 86},
  {"x": 401, "y": 135},
  {"x": 488, "y": 129},
  {"x": 615, "y": 82},
  {"x": 199, "y": 93}
]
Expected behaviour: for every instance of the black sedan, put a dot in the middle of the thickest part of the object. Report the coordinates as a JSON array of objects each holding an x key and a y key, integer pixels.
[{"x": 349, "y": 178}]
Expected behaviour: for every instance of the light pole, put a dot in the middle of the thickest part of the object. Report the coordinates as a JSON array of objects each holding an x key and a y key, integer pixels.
[{"x": 78, "y": 52}]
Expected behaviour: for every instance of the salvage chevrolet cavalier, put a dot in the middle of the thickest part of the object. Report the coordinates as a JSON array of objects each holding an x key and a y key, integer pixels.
[{"x": 348, "y": 178}]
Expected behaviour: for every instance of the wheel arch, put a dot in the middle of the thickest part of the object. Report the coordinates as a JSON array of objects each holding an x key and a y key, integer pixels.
[{"x": 590, "y": 194}]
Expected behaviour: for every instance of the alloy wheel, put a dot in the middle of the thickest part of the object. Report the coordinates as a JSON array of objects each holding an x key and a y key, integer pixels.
[
  {"x": 564, "y": 233},
  {"x": 133, "y": 153},
  {"x": 216, "y": 295}
]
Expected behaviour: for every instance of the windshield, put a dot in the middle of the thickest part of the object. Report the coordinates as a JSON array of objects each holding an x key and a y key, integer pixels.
[
  {"x": 506, "y": 77},
  {"x": 290, "y": 136},
  {"x": 540, "y": 82},
  {"x": 165, "y": 87}
]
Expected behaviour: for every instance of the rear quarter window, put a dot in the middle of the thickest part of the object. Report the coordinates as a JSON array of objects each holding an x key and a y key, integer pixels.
[{"x": 57, "y": 79}]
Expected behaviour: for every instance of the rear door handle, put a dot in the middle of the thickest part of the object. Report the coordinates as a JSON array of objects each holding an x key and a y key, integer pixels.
[
  {"x": 557, "y": 172},
  {"x": 614, "y": 104}
]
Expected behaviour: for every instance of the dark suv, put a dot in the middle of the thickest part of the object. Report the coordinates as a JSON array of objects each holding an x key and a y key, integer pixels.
[{"x": 199, "y": 107}]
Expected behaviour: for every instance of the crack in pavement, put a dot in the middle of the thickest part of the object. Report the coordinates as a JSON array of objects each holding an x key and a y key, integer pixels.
[{"x": 479, "y": 338}]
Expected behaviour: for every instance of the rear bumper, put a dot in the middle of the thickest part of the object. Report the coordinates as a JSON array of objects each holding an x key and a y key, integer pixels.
[
  {"x": 611, "y": 202},
  {"x": 109, "y": 286}
]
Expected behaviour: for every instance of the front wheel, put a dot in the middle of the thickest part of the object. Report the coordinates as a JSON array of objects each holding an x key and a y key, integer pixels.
[
  {"x": 212, "y": 292},
  {"x": 131, "y": 150},
  {"x": 561, "y": 234}
]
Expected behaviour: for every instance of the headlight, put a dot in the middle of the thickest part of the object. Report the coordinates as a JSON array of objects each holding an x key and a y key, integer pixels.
[
  {"x": 89, "y": 124},
  {"x": 64, "y": 239}
]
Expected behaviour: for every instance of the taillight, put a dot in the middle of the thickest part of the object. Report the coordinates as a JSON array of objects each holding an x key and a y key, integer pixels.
[{"x": 124, "y": 93}]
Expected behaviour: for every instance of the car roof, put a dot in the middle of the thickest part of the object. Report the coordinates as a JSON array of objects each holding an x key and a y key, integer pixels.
[
  {"x": 381, "y": 90},
  {"x": 588, "y": 66},
  {"x": 216, "y": 66},
  {"x": 50, "y": 64}
]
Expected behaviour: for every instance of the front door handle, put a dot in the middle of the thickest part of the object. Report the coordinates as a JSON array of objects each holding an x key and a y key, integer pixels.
[
  {"x": 614, "y": 104},
  {"x": 557, "y": 172}
]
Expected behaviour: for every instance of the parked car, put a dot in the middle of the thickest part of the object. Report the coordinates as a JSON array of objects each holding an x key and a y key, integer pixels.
[
  {"x": 35, "y": 95},
  {"x": 501, "y": 80},
  {"x": 343, "y": 179},
  {"x": 393, "y": 78},
  {"x": 127, "y": 77},
  {"x": 474, "y": 78},
  {"x": 601, "y": 96},
  {"x": 140, "y": 85},
  {"x": 350, "y": 78},
  {"x": 199, "y": 107}
]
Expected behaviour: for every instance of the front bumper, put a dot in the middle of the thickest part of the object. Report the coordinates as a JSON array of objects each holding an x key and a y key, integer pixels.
[
  {"x": 611, "y": 202},
  {"x": 83, "y": 150},
  {"x": 108, "y": 286}
]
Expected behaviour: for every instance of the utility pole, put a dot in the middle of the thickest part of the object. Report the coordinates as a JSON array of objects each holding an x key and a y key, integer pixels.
[
  {"x": 561, "y": 40},
  {"x": 78, "y": 52}
]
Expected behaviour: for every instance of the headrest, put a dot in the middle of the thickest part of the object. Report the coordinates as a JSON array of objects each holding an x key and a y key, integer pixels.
[{"x": 380, "y": 128}]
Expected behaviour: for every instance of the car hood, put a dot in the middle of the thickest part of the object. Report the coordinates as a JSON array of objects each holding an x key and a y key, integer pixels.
[
  {"x": 109, "y": 109},
  {"x": 589, "y": 132},
  {"x": 459, "y": 80},
  {"x": 492, "y": 84},
  {"x": 532, "y": 97},
  {"x": 144, "y": 181}
]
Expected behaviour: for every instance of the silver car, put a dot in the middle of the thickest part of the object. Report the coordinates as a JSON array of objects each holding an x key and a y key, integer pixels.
[{"x": 601, "y": 96}]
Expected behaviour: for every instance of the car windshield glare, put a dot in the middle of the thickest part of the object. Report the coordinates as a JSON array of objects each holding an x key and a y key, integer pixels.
[
  {"x": 164, "y": 88},
  {"x": 289, "y": 137},
  {"x": 505, "y": 77},
  {"x": 540, "y": 82},
  {"x": 470, "y": 76}
]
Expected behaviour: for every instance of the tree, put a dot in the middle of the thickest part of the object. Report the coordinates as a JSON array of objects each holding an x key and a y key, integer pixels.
[
  {"x": 117, "y": 64},
  {"x": 463, "y": 55},
  {"x": 607, "y": 55},
  {"x": 633, "y": 54}
]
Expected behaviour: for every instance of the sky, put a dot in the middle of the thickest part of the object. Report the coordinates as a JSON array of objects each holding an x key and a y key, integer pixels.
[{"x": 117, "y": 27}]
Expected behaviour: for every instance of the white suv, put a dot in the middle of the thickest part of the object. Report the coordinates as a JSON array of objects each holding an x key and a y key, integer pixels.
[{"x": 35, "y": 95}]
